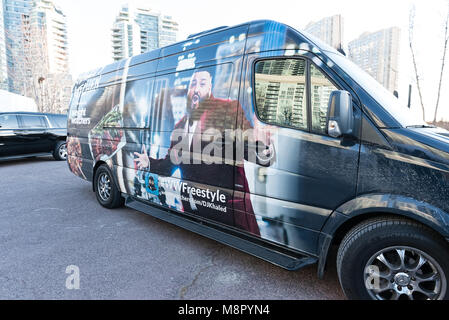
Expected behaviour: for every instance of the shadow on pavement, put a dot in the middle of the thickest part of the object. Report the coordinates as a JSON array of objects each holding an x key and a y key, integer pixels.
[{"x": 30, "y": 160}]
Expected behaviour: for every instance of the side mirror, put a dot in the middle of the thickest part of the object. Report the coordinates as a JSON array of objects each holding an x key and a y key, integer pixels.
[{"x": 340, "y": 118}]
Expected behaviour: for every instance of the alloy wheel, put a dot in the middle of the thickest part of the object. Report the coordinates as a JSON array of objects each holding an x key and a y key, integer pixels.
[
  {"x": 104, "y": 187},
  {"x": 63, "y": 151},
  {"x": 404, "y": 273}
]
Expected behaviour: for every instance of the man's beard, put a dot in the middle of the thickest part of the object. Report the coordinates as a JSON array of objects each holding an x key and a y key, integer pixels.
[{"x": 193, "y": 106}]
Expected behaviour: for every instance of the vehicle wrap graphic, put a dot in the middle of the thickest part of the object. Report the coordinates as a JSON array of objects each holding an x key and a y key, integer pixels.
[{"x": 134, "y": 114}]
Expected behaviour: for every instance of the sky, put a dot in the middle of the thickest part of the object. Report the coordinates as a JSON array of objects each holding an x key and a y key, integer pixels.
[{"x": 90, "y": 22}]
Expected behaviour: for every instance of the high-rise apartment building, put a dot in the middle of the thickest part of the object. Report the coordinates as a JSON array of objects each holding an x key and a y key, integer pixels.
[
  {"x": 168, "y": 29},
  {"x": 54, "y": 25},
  {"x": 378, "y": 54},
  {"x": 3, "y": 61},
  {"x": 14, "y": 13},
  {"x": 37, "y": 52},
  {"x": 137, "y": 30},
  {"x": 329, "y": 30}
]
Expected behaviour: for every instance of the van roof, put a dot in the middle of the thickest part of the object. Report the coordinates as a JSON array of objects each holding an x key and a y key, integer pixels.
[{"x": 261, "y": 26}]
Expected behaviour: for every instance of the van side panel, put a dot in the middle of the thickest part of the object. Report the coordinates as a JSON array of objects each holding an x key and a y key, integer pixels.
[
  {"x": 409, "y": 167},
  {"x": 211, "y": 70},
  {"x": 162, "y": 121},
  {"x": 189, "y": 88},
  {"x": 92, "y": 136}
]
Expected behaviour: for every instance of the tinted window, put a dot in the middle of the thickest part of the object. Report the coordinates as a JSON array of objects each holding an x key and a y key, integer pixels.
[
  {"x": 33, "y": 122},
  {"x": 58, "y": 121},
  {"x": 321, "y": 91},
  {"x": 281, "y": 92},
  {"x": 93, "y": 108},
  {"x": 137, "y": 103},
  {"x": 8, "y": 122}
]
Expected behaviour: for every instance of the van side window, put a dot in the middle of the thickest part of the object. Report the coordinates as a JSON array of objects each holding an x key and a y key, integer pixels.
[
  {"x": 138, "y": 103},
  {"x": 94, "y": 106},
  {"x": 79, "y": 112},
  {"x": 58, "y": 121},
  {"x": 321, "y": 89},
  {"x": 281, "y": 97}
]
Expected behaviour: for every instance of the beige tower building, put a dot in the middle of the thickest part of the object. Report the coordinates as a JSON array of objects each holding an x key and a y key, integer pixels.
[
  {"x": 49, "y": 28},
  {"x": 378, "y": 54},
  {"x": 329, "y": 30},
  {"x": 53, "y": 22}
]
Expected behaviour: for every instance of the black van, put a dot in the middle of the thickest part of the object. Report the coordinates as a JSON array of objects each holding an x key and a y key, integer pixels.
[
  {"x": 29, "y": 134},
  {"x": 265, "y": 139}
]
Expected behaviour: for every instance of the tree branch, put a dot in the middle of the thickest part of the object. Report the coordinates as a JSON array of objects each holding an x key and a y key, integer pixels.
[
  {"x": 415, "y": 65},
  {"x": 446, "y": 40}
]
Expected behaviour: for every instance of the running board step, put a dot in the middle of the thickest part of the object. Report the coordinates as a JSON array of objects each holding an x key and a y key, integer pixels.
[{"x": 285, "y": 258}]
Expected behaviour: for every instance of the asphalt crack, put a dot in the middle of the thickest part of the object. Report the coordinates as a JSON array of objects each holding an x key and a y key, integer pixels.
[{"x": 212, "y": 263}]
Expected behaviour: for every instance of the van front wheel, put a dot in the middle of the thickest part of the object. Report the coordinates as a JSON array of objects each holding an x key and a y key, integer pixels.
[
  {"x": 393, "y": 259},
  {"x": 107, "y": 192}
]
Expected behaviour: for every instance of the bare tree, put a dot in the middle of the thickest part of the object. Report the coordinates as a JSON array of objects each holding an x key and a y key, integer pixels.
[
  {"x": 446, "y": 40},
  {"x": 30, "y": 71},
  {"x": 415, "y": 65}
]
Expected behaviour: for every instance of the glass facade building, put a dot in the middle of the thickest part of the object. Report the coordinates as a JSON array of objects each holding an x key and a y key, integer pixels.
[
  {"x": 34, "y": 52},
  {"x": 19, "y": 20},
  {"x": 14, "y": 13},
  {"x": 3, "y": 61}
]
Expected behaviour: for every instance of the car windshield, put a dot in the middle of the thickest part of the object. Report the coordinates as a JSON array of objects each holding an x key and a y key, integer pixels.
[{"x": 405, "y": 116}]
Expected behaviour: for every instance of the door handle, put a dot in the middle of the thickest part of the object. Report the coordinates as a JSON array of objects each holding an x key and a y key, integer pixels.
[{"x": 265, "y": 154}]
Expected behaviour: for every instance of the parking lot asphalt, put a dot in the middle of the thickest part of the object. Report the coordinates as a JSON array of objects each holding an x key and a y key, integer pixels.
[{"x": 50, "y": 219}]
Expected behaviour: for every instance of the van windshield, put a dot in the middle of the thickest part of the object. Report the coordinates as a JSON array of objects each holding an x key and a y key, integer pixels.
[{"x": 405, "y": 116}]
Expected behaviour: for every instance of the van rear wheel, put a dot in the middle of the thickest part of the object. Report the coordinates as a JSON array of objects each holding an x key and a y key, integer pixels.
[
  {"x": 107, "y": 192},
  {"x": 393, "y": 259}
]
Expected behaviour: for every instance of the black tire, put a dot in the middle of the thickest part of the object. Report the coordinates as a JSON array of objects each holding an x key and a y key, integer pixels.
[
  {"x": 390, "y": 236},
  {"x": 60, "y": 151},
  {"x": 111, "y": 199}
]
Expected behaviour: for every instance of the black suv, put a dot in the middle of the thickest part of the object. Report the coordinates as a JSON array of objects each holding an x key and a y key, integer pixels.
[{"x": 26, "y": 134}]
